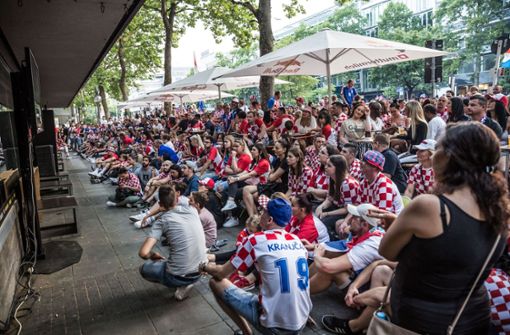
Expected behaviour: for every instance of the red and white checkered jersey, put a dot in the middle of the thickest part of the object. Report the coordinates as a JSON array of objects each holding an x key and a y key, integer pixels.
[
  {"x": 349, "y": 193},
  {"x": 319, "y": 179},
  {"x": 355, "y": 170},
  {"x": 421, "y": 178},
  {"x": 382, "y": 193},
  {"x": 299, "y": 184},
  {"x": 280, "y": 259},
  {"x": 498, "y": 288},
  {"x": 338, "y": 123},
  {"x": 312, "y": 158}
]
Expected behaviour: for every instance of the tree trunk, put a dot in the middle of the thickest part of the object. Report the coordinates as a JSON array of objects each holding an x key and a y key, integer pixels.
[
  {"x": 478, "y": 67},
  {"x": 122, "y": 62},
  {"x": 168, "y": 23},
  {"x": 102, "y": 93},
  {"x": 266, "y": 46}
]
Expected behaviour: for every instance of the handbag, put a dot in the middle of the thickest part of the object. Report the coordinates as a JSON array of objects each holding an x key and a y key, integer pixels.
[{"x": 383, "y": 326}]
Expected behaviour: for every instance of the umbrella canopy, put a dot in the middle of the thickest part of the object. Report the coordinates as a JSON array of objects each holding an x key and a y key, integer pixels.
[
  {"x": 204, "y": 80},
  {"x": 330, "y": 52},
  {"x": 182, "y": 96}
]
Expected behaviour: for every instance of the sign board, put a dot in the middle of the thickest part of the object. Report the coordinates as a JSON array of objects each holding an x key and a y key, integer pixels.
[{"x": 505, "y": 45}]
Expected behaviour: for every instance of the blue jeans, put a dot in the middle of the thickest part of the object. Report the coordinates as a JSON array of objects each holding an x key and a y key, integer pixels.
[
  {"x": 248, "y": 306},
  {"x": 155, "y": 271}
]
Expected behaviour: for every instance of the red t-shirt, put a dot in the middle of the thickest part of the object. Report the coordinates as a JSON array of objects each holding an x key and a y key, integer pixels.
[
  {"x": 244, "y": 127},
  {"x": 305, "y": 229},
  {"x": 243, "y": 162},
  {"x": 326, "y": 131},
  {"x": 127, "y": 140},
  {"x": 262, "y": 168}
]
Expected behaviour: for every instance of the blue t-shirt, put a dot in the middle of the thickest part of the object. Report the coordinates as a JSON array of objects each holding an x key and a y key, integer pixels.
[
  {"x": 167, "y": 152},
  {"x": 349, "y": 93}
]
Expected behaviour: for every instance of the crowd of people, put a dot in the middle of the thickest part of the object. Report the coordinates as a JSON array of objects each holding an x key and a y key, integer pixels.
[{"x": 327, "y": 198}]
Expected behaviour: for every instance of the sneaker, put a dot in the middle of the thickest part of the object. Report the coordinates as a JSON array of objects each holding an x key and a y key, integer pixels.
[
  {"x": 148, "y": 223},
  {"x": 111, "y": 204},
  {"x": 229, "y": 206},
  {"x": 138, "y": 217},
  {"x": 243, "y": 283},
  {"x": 114, "y": 180},
  {"x": 337, "y": 326},
  {"x": 93, "y": 173},
  {"x": 232, "y": 222},
  {"x": 182, "y": 292},
  {"x": 129, "y": 205}
]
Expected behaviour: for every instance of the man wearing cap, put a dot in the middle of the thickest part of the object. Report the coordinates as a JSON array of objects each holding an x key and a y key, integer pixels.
[
  {"x": 360, "y": 250},
  {"x": 376, "y": 188},
  {"x": 283, "y": 303}
]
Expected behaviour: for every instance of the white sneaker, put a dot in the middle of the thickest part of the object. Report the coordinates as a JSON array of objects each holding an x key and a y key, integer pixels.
[
  {"x": 229, "y": 206},
  {"x": 148, "y": 223},
  {"x": 111, "y": 204},
  {"x": 138, "y": 217},
  {"x": 182, "y": 292},
  {"x": 232, "y": 222},
  {"x": 93, "y": 173}
]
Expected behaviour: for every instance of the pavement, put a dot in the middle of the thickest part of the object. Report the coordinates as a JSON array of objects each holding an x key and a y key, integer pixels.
[{"x": 104, "y": 292}]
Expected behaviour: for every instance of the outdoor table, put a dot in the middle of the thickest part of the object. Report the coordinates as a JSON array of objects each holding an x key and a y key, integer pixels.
[{"x": 364, "y": 144}]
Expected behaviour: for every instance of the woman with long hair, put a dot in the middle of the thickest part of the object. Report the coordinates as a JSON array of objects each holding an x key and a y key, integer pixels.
[
  {"x": 342, "y": 190},
  {"x": 441, "y": 241},
  {"x": 417, "y": 130},
  {"x": 303, "y": 224},
  {"x": 496, "y": 111},
  {"x": 306, "y": 123},
  {"x": 455, "y": 108},
  {"x": 325, "y": 124},
  {"x": 356, "y": 126},
  {"x": 319, "y": 185},
  {"x": 277, "y": 180},
  {"x": 299, "y": 174}
]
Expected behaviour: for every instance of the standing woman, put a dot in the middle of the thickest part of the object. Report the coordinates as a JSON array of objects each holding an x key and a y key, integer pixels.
[
  {"x": 441, "y": 241},
  {"x": 299, "y": 174},
  {"x": 343, "y": 190}
]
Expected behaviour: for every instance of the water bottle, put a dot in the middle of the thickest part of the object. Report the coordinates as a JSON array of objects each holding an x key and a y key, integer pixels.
[{"x": 382, "y": 315}]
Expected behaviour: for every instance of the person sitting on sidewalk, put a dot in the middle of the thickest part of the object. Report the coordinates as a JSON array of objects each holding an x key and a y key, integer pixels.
[
  {"x": 283, "y": 303},
  {"x": 198, "y": 200},
  {"x": 161, "y": 179},
  {"x": 184, "y": 234},
  {"x": 128, "y": 192},
  {"x": 360, "y": 251}
]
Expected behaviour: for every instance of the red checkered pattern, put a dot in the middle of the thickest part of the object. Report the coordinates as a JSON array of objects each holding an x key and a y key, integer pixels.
[
  {"x": 355, "y": 170},
  {"x": 299, "y": 184},
  {"x": 349, "y": 193},
  {"x": 498, "y": 288},
  {"x": 319, "y": 179},
  {"x": 421, "y": 178},
  {"x": 312, "y": 158},
  {"x": 241, "y": 236},
  {"x": 341, "y": 118},
  {"x": 263, "y": 201},
  {"x": 130, "y": 181},
  {"x": 379, "y": 193}
]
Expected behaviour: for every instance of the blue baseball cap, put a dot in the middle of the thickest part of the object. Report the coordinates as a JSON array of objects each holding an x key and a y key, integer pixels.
[{"x": 280, "y": 210}]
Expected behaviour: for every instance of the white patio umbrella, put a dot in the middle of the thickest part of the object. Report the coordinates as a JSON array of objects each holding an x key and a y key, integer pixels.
[
  {"x": 330, "y": 52},
  {"x": 183, "y": 96},
  {"x": 203, "y": 81}
]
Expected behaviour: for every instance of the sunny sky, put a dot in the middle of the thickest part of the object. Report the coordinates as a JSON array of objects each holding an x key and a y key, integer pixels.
[{"x": 199, "y": 39}]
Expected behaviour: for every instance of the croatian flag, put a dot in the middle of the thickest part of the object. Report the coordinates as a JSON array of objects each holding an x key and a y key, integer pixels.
[{"x": 505, "y": 63}]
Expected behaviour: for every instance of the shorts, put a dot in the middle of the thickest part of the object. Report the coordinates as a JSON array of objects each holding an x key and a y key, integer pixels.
[{"x": 248, "y": 306}]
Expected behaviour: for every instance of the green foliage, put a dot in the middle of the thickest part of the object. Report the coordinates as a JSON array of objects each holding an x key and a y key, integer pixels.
[
  {"x": 237, "y": 57},
  {"x": 397, "y": 23},
  {"x": 478, "y": 22}
]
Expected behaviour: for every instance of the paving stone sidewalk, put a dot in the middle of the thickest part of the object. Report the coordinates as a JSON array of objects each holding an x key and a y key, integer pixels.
[{"x": 104, "y": 293}]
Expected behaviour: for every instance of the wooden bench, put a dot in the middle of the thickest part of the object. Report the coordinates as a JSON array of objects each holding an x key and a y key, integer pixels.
[
  {"x": 54, "y": 205},
  {"x": 56, "y": 187}
]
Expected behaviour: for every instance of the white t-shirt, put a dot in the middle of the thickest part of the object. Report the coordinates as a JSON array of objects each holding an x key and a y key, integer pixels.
[
  {"x": 321, "y": 230},
  {"x": 281, "y": 260},
  {"x": 436, "y": 128},
  {"x": 365, "y": 253},
  {"x": 377, "y": 124}
]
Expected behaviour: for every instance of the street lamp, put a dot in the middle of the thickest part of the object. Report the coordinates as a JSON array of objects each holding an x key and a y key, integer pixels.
[{"x": 97, "y": 101}]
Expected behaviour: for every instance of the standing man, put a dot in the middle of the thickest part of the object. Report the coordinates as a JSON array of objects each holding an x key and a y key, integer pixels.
[
  {"x": 183, "y": 231},
  {"x": 274, "y": 102},
  {"x": 283, "y": 303},
  {"x": 349, "y": 92}
]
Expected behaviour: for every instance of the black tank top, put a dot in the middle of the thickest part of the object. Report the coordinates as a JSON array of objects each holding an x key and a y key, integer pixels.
[{"x": 434, "y": 275}]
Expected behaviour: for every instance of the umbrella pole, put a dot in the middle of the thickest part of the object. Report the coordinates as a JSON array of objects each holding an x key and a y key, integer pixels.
[{"x": 328, "y": 74}]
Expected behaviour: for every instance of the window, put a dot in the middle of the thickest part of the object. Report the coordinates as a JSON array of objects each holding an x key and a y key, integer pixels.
[
  {"x": 467, "y": 67},
  {"x": 488, "y": 62}
]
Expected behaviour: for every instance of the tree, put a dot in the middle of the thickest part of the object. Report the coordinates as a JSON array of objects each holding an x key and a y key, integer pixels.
[
  {"x": 398, "y": 23},
  {"x": 240, "y": 19},
  {"x": 473, "y": 23}
]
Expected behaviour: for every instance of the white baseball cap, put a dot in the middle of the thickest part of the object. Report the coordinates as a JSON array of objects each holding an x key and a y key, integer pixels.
[
  {"x": 362, "y": 211},
  {"x": 428, "y": 144}
]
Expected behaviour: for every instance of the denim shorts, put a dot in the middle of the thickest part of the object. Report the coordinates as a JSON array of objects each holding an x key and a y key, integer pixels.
[
  {"x": 155, "y": 271},
  {"x": 248, "y": 306}
]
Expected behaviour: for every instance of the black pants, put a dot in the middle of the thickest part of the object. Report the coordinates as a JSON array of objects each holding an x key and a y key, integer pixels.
[{"x": 234, "y": 187}]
